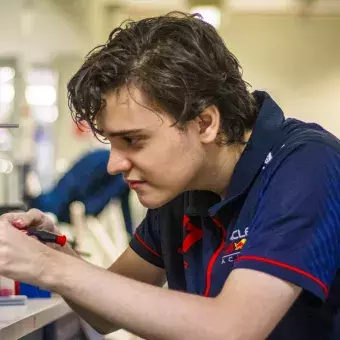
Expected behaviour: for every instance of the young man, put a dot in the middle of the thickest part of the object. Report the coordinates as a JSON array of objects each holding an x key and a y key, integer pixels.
[{"x": 243, "y": 204}]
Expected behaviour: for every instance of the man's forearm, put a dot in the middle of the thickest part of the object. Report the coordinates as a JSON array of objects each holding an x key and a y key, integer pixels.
[
  {"x": 95, "y": 321},
  {"x": 150, "y": 312}
]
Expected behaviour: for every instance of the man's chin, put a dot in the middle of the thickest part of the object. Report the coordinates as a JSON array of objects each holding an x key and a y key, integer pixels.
[{"x": 153, "y": 202}]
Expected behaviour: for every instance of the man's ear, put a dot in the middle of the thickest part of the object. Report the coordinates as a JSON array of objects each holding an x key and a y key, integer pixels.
[{"x": 209, "y": 124}]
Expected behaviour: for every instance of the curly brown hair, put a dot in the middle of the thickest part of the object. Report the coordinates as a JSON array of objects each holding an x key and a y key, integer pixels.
[{"x": 178, "y": 61}]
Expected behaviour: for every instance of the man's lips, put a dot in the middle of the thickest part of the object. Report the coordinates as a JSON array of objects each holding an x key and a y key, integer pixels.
[{"x": 134, "y": 184}]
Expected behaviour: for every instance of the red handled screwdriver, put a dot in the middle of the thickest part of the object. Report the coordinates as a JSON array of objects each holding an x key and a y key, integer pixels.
[
  {"x": 45, "y": 236},
  {"x": 42, "y": 235}
]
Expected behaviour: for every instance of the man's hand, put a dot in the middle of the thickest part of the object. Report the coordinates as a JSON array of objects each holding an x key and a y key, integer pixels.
[
  {"x": 23, "y": 258},
  {"x": 35, "y": 219}
]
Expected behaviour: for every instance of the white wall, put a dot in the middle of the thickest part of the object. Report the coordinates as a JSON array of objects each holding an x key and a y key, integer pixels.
[
  {"x": 50, "y": 32},
  {"x": 296, "y": 60}
]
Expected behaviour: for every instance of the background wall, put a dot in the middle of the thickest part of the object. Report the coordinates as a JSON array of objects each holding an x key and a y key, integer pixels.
[
  {"x": 37, "y": 31},
  {"x": 297, "y": 60}
]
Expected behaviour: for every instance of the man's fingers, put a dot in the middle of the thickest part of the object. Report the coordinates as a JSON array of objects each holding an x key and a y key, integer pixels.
[
  {"x": 34, "y": 217},
  {"x": 23, "y": 220},
  {"x": 10, "y": 217}
]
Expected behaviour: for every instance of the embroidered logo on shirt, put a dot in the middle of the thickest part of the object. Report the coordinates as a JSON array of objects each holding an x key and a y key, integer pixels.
[
  {"x": 237, "y": 242},
  {"x": 267, "y": 160}
]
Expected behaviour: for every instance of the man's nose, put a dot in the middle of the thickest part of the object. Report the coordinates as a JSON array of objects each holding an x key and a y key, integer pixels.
[{"x": 117, "y": 164}]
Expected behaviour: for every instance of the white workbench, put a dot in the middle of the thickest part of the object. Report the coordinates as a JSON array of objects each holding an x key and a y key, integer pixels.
[{"x": 17, "y": 321}]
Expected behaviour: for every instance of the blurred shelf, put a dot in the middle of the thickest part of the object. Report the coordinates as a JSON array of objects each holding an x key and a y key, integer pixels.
[{"x": 18, "y": 321}]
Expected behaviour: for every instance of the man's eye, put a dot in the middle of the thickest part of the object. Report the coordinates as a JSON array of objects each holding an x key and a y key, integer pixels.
[{"x": 130, "y": 140}]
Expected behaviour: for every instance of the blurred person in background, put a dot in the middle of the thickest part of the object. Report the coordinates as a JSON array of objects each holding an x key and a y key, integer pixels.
[
  {"x": 243, "y": 220},
  {"x": 88, "y": 182}
]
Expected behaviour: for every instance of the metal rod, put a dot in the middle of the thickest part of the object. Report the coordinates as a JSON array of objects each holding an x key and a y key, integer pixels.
[{"x": 9, "y": 126}]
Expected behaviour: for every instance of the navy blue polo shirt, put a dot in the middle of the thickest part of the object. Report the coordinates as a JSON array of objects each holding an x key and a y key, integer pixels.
[{"x": 281, "y": 216}]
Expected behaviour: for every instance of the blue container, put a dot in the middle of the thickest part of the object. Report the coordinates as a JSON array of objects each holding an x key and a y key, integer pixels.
[{"x": 33, "y": 291}]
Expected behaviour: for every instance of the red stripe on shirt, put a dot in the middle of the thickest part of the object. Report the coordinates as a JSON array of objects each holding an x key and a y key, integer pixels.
[
  {"x": 283, "y": 265},
  {"x": 146, "y": 246}
]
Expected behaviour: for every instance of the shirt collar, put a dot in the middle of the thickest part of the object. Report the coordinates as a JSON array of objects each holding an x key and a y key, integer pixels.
[{"x": 265, "y": 134}]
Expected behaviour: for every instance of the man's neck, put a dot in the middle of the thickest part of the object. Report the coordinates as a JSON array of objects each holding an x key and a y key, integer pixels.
[{"x": 220, "y": 165}]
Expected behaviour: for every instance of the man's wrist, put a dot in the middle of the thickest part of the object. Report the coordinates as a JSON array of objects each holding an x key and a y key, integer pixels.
[
  {"x": 59, "y": 269},
  {"x": 53, "y": 268}
]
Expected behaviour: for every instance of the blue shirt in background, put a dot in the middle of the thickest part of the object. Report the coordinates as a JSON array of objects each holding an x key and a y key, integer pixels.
[{"x": 89, "y": 182}]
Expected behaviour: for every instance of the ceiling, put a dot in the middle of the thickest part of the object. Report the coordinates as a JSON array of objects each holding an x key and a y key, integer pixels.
[
  {"x": 315, "y": 6},
  {"x": 90, "y": 14},
  {"x": 256, "y": 6},
  {"x": 76, "y": 8}
]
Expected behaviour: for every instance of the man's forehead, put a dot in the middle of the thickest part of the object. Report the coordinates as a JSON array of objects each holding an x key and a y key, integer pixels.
[
  {"x": 124, "y": 111},
  {"x": 126, "y": 96},
  {"x": 118, "y": 109}
]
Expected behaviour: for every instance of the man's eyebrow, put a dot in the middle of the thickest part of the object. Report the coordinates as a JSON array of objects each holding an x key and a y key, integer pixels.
[{"x": 123, "y": 132}]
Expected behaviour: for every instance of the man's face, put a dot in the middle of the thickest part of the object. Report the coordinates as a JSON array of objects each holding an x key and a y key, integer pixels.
[{"x": 163, "y": 160}]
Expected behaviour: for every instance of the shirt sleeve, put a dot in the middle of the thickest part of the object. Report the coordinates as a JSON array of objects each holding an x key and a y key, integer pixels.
[
  {"x": 146, "y": 240},
  {"x": 295, "y": 233}
]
